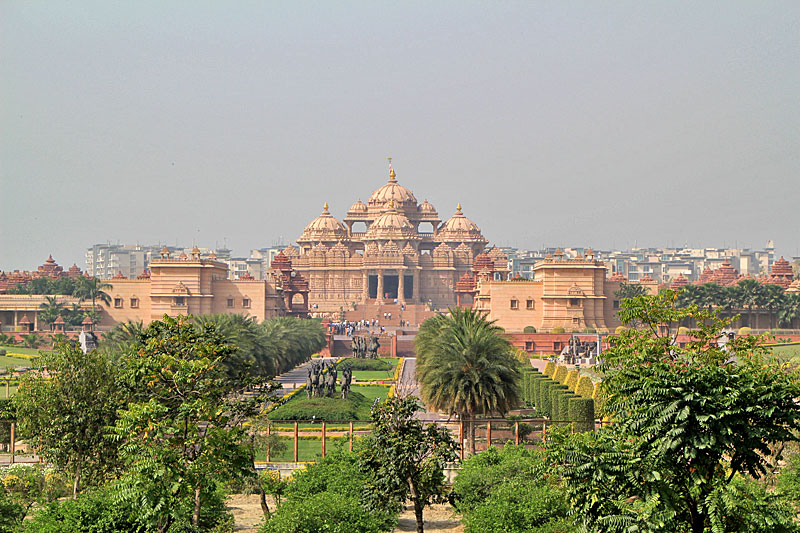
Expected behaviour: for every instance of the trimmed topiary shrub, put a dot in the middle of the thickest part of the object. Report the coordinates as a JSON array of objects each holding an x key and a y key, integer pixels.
[
  {"x": 599, "y": 398},
  {"x": 584, "y": 387},
  {"x": 529, "y": 329},
  {"x": 572, "y": 379},
  {"x": 620, "y": 330},
  {"x": 549, "y": 368},
  {"x": 744, "y": 330},
  {"x": 560, "y": 374},
  {"x": 683, "y": 330},
  {"x": 543, "y": 404},
  {"x": 558, "y": 329},
  {"x": 581, "y": 413},
  {"x": 556, "y": 391},
  {"x": 563, "y": 404},
  {"x": 535, "y": 386}
]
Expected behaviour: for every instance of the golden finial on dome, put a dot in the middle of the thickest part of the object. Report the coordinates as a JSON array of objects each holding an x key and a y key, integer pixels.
[
  {"x": 458, "y": 207},
  {"x": 392, "y": 175},
  {"x": 325, "y": 207},
  {"x": 391, "y": 203}
]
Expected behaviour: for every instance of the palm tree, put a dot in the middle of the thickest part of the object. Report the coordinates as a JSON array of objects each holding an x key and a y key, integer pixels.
[
  {"x": 749, "y": 294},
  {"x": 773, "y": 301},
  {"x": 92, "y": 288},
  {"x": 51, "y": 309},
  {"x": 466, "y": 367},
  {"x": 789, "y": 311}
]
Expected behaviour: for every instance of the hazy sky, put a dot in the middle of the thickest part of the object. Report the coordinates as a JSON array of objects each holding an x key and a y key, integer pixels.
[{"x": 553, "y": 123}]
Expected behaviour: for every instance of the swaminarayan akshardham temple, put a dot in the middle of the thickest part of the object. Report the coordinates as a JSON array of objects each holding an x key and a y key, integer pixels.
[{"x": 391, "y": 248}]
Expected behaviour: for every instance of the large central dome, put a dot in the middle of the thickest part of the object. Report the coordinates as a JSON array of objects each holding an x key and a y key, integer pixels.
[{"x": 392, "y": 191}]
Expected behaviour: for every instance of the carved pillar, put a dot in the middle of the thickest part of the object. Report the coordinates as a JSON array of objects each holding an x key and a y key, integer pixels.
[
  {"x": 401, "y": 295},
  {"x": 364, "y": 287},
  {"x": 380, "y": 286},
  {"x": 415, "y": 288},
  {"x": 458, "y": 299}
]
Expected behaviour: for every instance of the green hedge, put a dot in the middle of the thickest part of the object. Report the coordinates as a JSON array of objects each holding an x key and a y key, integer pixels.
[
  {"x": 543, "y": 398},
  {"x": 555, "y": 394},
  {"x": 585, "y": 387},
  {"x": 563, "y": 405},
  {"x": 533, "y": 387},
  {"x": 581, "y": 412},
  {"x": 365, "y": 364}
]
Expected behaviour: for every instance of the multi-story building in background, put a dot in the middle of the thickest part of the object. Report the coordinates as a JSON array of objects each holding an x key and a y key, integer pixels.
[{"x": 661, "y": 264}]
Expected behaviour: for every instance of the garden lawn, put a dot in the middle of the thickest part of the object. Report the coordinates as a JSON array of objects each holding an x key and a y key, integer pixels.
[
  {"x": 13, "y": 362},
  {"x": 371, "y": 392},
  {"x": 12, "y": 390},
  {"x": 786, "y": 352},
  {"x": 16, "y": 348},
  {"x": 360, "y": 375},
  {"x": 307, "y": 449},
  {"x": 355, "y": 407}
]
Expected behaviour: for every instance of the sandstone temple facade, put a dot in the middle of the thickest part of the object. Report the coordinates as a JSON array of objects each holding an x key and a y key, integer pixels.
[{"x": 389, "y": 250}]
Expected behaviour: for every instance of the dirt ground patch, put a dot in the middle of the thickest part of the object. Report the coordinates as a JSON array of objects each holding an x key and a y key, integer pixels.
[
  {"x": 246, "y": 511},
  {"x": 438, "y": 519},
  {"x": 248, "y": 517}
]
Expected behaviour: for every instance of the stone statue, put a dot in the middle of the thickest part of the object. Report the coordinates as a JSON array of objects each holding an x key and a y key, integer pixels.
[
  {"x": 373, "y": 347},
  {"x": 330, "y": 381},
  {"x": 347, "y": 376}
]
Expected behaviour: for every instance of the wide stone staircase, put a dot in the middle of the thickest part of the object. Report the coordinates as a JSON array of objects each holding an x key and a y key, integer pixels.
[{"x": 414, "y": 314}]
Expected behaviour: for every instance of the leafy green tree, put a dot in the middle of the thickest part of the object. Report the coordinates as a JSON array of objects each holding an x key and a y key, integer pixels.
[
  {"x": 687, "y": 421},
  {"x": 64, "y": 405},
  {"x": 402, "y": 459},
  {"x": 630, "y": 290},
  {"x": 326, "y": 496},
  {"x": 512, "y": 489},
  {"x": 182, "y": 431},
  {"x": 466, "y": 367}
]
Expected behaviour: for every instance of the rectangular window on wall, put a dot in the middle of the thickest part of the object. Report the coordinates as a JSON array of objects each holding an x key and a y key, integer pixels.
[
  {"x": 134, "y": 303},
  {"x": 230, "y": 302},
  {"x": 180, "y": 300},
  {"x": 529, "y": 304},
  {"x": 118, "y": 303},
  {"x": 514, "y": 304},
  {"x": 246, "y": 302}
]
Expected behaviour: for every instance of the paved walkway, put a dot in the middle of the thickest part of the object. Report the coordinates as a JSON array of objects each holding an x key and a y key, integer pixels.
[{"x": 297, "y": 376}]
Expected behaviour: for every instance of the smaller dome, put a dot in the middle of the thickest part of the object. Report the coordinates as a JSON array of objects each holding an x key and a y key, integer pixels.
[
  {"x": 324, "y": 228},
  {"x": 427, "y": 208},
  {"x": 459, "y": 228},
  {"x": 358, "y": 207}
]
